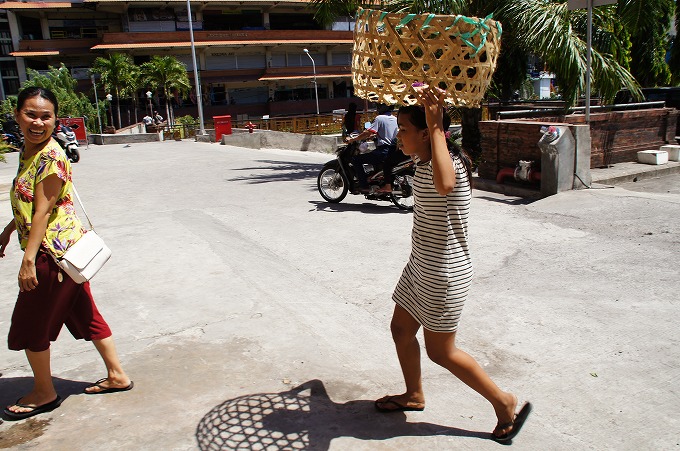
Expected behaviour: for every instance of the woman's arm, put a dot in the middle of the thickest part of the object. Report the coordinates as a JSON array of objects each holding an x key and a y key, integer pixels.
[
  {"x": 443, "y": 172},
  {"x": 5, "y": 236},
  {"x": 44, "y": 199}
]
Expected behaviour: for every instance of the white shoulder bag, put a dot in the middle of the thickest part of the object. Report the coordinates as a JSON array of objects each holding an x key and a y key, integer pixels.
[{"x": 87, "y": 256}]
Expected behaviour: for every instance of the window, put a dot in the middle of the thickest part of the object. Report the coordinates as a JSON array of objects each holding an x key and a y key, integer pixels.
[
  {"x": 282, "y": 21},
  {"x": 232, "y": 20}
]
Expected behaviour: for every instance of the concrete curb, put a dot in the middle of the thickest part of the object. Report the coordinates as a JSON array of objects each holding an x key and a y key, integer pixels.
[
  {"x": 616, "y": 174},
  {"x": 631, "y": 172}
]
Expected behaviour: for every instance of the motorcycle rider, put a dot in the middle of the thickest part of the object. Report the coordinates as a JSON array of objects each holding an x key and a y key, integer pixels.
[{"x": 384, "y": 131}]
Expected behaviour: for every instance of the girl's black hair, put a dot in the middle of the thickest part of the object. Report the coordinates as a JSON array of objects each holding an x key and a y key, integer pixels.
[
  {"x": 416, "y": 116},
  {"x": 33, "y": 91}
]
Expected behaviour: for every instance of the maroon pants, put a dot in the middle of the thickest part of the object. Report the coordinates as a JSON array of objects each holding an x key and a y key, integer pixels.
[{"x": 40, "y": 313}]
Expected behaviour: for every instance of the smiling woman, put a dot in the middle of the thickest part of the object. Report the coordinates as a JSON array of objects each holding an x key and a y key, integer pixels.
[{"x": 47, "y": 225}]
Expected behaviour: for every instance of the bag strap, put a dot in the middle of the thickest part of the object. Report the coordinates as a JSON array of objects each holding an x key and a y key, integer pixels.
[{"x": 75, "y": 191}]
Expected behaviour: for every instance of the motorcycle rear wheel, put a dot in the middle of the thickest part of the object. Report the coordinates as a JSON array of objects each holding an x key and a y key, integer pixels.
[
  {"x": 403, "y": 197},
  {"x": 331, "y": 183}
]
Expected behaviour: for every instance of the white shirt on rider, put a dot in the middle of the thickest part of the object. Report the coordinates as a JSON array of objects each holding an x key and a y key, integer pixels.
[{"x": 385, "y": 127}]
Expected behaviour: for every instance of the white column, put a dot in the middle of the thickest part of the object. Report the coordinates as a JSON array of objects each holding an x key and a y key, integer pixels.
[
  {"x": 45, "y": 27},
  {"x": 201, "y": 57},
  {"x": 16, "y": 36},
  {"x": 268, "y": 56}
]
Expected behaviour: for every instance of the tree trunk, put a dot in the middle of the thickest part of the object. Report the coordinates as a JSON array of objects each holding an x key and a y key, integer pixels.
[
  {"x": 470, "y": 118},
  {"x": 120, "y": 123},
  {"x": 167, "y": 106},
  {"x": 134, "y": 102}
]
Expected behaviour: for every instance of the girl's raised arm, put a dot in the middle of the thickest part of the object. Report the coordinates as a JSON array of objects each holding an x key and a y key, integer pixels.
[{"x": 443, "y": 172}]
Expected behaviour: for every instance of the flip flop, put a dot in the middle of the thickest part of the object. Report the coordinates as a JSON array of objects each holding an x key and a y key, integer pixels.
[
  {"x": 516, "y": 424},
  {"x": 106, "y": 390},
  {"x": 397, "y": 407},
  {"x": 14, "y": 416}
]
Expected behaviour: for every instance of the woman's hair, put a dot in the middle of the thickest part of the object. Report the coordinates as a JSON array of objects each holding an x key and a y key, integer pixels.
[
  {"x": 350, "y": 117},
  {"x": 33, "y": 91},
  {"x": 416, "y": 116}
]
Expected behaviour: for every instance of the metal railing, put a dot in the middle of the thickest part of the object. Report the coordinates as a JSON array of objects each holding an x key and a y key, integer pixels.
[{"x": 323, "y": 124}]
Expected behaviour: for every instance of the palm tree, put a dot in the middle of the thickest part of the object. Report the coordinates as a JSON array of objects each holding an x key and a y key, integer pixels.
[
  {"x": 558, "y": 37},
  {"x": 136, "y": 82},
  {"x": 116, "y": 74},
  {"x": 169, "y": 75}
]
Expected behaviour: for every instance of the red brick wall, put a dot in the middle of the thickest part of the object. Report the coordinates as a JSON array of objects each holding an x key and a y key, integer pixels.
[
  {"x": 504, "y": 143},
  {"x": 616, "y": 137}
]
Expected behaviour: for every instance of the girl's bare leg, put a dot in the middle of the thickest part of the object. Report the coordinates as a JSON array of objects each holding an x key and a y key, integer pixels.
[
  {"x": 442, "y": 350},
  {"x": 404, "y": 329},
  {"x": 43, "y": 389},
  {"x": 115, "y": 377}
]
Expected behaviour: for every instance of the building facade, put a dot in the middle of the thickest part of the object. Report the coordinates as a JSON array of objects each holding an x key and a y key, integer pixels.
[{"x": 250, "y": 54}]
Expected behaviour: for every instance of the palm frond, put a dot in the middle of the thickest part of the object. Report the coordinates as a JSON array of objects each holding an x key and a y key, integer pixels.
[{"x": 546, "y": 29}]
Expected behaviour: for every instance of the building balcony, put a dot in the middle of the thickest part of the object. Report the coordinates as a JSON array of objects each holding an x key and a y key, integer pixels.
[
  {"x": 54, "y": 47},
  {"x": 239, "y": 38}
]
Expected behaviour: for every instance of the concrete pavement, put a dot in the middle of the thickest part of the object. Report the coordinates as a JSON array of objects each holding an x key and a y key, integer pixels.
[{"x": 250, "y": 313}]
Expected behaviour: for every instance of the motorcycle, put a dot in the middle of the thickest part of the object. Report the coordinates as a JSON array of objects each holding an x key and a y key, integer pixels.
[
  {"x": 338, "y": 177},
  {"x": 11, "y": 133},
  {"x": 66, "y": 138}
]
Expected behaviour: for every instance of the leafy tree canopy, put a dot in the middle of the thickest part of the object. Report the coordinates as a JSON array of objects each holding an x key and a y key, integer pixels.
[{"x": 59, "y": 81}]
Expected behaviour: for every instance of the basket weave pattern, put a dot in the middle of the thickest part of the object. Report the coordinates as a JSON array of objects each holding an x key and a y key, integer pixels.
[{"x": 394, "y": 51}]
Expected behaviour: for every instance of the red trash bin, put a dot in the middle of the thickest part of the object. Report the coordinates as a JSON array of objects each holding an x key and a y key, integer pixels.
[{"x": 222, "y": 126}]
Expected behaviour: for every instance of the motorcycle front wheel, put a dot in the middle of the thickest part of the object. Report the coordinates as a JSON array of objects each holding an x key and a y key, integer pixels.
[
  {"x": 403, "y": 196},
  {"x": 74, "y": 155},
  {"x": 331, "y": 184}
]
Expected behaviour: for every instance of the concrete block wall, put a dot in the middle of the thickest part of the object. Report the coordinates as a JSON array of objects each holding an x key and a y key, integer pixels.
[
  {"x": 124, "y": 138},
  {"x": 267, "y": 139}
]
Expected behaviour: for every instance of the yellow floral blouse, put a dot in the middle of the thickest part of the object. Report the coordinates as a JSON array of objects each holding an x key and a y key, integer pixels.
[{"x": 63, "y": 227}]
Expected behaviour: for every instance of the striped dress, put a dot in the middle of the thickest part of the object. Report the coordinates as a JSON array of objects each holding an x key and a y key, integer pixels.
[{"x": 435, "y": 282}]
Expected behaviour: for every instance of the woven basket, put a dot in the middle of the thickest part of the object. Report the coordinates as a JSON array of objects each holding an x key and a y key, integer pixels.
[{"x": 392, "y": 52}]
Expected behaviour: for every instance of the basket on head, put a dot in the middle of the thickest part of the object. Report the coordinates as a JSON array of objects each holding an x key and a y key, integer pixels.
[{"x": 394, "y": 51}]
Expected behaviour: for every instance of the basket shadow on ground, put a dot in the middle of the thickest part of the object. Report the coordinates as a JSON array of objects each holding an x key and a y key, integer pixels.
[
  {"x": 305, "y": 418},
  {"x": 278, "y": 171}
]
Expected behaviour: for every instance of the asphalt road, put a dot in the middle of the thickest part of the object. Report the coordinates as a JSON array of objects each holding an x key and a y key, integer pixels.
[{"x": 250, "y": 313}]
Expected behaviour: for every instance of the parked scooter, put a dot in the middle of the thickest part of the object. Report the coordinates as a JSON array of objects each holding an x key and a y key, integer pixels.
[
  {"x": 11, "y": 133},
  {"x": 338, "y": 177},
  {"x": 66, "y": 138}
]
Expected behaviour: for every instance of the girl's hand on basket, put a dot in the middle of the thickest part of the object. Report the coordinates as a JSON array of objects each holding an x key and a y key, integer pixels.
[{"x": 432, "y": 98}]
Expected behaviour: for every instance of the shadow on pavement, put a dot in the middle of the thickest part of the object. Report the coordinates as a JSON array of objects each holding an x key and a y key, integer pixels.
[
  {"x": 381, "y": 207},
  {"x": 513, "y": 201},
  {"x": 281, "y": 171},
  {"x": 305, "y": 418},
  {"x": 13, "y": 388}
]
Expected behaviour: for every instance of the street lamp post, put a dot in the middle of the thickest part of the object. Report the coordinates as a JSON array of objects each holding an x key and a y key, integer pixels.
[
  {"x": 109, "y": 97},
  {"x": 96, "y": 101},
  {"x": 199, "y": 98},
  {"x": 316, "y": 92}
]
